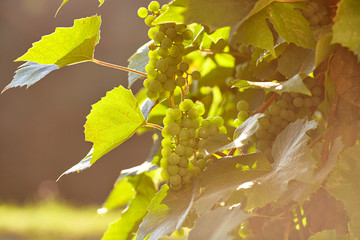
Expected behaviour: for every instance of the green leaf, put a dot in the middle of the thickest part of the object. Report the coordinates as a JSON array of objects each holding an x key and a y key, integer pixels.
[
  {"x": 292, "y": 161},
  {"x": 212, "y": 13},
  {"x": 346, "y": 25},
  {"x": 323, "y": 48},
  {"x": 127, "y": 225},
  {"x": 291, "y": 25},
  {"x": 67, "y": 45},
  {"x": 138, "y": 61},
  {"x": 344, "y": 185},
  {"x": 112, "y": 120},
  {"x": 120, "y": 195},
  {"x": 295, "y": 84},
  {"x": 217, "y": 224},
  {"x": 227, "y": 174},
  {"x": 261, "y": 4},
  {"x": 167, "y": 212},
  {"x": 29, "y": 73},
  {"x": 65, "y": 1},
  {"x": 255, "y": 31},
  {"x": 328, "y": 235}
]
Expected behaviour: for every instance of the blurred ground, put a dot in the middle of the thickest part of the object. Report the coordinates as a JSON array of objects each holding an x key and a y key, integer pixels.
[{"x": 42, "y": 127}]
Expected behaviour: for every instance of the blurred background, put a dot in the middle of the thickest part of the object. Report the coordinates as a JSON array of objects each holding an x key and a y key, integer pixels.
[{"x": 41, "y": 128}]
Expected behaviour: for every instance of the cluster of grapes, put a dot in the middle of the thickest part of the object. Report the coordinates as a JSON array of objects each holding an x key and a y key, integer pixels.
[
  {"x": 287, "y": 108},
  {"x": 243, "y": 112},
  {"x": 166, "y": 69},
  {"x": 184, "y": 128},
  {"x": 316, "y": 14}
]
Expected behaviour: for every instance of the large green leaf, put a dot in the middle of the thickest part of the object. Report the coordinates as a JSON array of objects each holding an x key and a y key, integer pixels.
[
  {"x": 167, "y": 212},
  {"x": 344, "y": 184},
  {"x": 67, "y": 45},
  {"x": 112, "y": 120},
  {"x": 217, "y": 224},
  {"x": 120, "y": 195},
  {"x": 127, "y": 225},
  {"x": 227, "y": 174},
  {"x": 292, "y": 161},
  {"x": 213, "y": 13},
  {"x": 65, "y": 1},
  {"x": 346, "y": 26}
]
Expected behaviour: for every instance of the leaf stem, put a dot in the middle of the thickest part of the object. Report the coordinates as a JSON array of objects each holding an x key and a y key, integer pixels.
[
  {"x": 172, "y": 100},
  {"x": 152, "y": 125},
  {"x": 221, "y": 154},
  {"x": 117, "y": 67}
]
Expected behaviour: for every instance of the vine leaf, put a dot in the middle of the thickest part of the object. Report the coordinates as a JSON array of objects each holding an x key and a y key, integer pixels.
[
  {"x": 120, "y": 195},
  {"x": 328, "y": 235},
  {"x": 138, "y": 61},
  {"x": 227, "y": 174},
  {"x": 126, "y": 226},
  {"x": 112, "y": 120},
  {"x": 344, "y": 185},
  {"x": 346, "y": 26},
  {"x": 167, "y": 212},
  {"x": 212, "y": 13},
  {"x": 294, "y": 84},
  {"x": 29, "y": 73},
  {"x": 65, "y": 1},
  {"x": 217, "y": 224},
  {"x": 292, "y": 161}
]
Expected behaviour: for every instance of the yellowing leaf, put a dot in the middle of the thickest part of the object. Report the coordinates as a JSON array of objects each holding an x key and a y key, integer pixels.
[
  {"x": 67, "y": 45},
  {"x": 65, "y": 1},
  {"x": 112, "y": 120}
]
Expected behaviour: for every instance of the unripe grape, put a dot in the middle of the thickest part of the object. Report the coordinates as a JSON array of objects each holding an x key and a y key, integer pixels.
[
  {"x": 193, "y": 113},
  {"x": 264, "y": 123},
  {"x": 152, "y": 31},
  {"x": 243, "y": 115},
  {"x": 170, "y": 71},
  {"x": 173, "y": 158},
  {"x": 180, "y": 81},
  {"x": 152, "y": 73},
  {"x": 149, "y": 19},
  {"x": 242, "y": 105},
  {"x": 174, "y": 51},
  {"x": 287, "y": 97},
  {"x": 308, "y": 102},
  {"x": 166, "y": 43},
  {"x": 298, "y": 102},
  {"x": 163, "y": 52},
  {"x": 142, "y": 12},
  {"x": 283, "y": 114},
  {"x": 180, "y": 150},
  {"x": 218, "y": 121},
  {"x": 170, "y": 85},
  {"x": 183, "y": 162},
  {"x": 188, "y": 152},
  {"x": 170, "y": 24},
  {"x": 274, "y": 109},
  {"x": 237, "y": 123},
  {"x": 173, "y": 129},
  {"x": 291, "y": 116},
  {"x": 203, "y": 132},
  {"x": 196, "y": 75},
  {"x": 178, "y": 39},
  {"x": 159, "y": 36},
  {"x": 147, "y": 82},
  {"x": 166, "y": 152},
  {"x": 155, "y": 86},
  {"x": 186, "y": 105},
  {"x": 276, "y": 120},
  {"x": 173, "y": 169},
  {"x": 161, "y": 77},
  {"x": 162, "y": 65},
  {"x": 183, "y": 171},
  {"x": 187, "y": 178},
  {"x": 152, "y": 95},
  {"x": 166, "y": 142},
  {"x": 191, "y": 141},
  {"x": 183, "y": 134},
  {"x": 184, "y": 66},
  {"x": 200, "y": 108},
  {"x": 175, "y": 113},
  {"x": 213, "y": 130},
  {"x": 164, "y": 163},
  {"x": 165, "y": 174},
  {"x": 281, "y": 103},
  {"x": 180, "y": 27},
  {"x": 187, "y": 34},
  {"x": 170, "y": 33},
  {"x": 154, "y": 6}
]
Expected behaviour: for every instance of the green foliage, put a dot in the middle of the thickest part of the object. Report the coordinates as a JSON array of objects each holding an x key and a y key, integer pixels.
[{"x": 258, "y": 106}]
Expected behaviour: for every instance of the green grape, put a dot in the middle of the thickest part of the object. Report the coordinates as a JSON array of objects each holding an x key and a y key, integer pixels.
[
  {"x": 206, "y": 123},
  {"x": 166, "y": 142},
  {"x": 183, "y": 162},
  {"x": 188, "y": 152},
  {"x": 242, "y": 105},
  {"x": 193, "y": 113},
  {"x": 170, "y": 85},
  {"x": 281, "y": 103},
  {"x": 283, "y": 114},
  {"x": 186, "y": 105},
  {"x": 154, "y": 6},
  {"x": 171, "y": 33},
  {"x": 284, "y": 124},
  {"x": 316, "y": 101},
  {"x": 200, "y": 108},
  {"x": 182, "y": 171},
  {"x": 155, "y": 86},
  {"x": 181, "y": 47},
  {"x": 161, "y": 65},
  {"x": 188, "y": 123},
  {"x": 176, "y": 187},
  {"x": 187, "y": 178},
  {"x": 161, "y": 77},
  {"x": 201, "y": 163},
  {"x": 180, "y": 150},
  {"x": 298, "y": 102},
  {"x": 180, "y": 28},
  {"x": 173, "y": 129},
  {"x": 180, "y": 81},
  {"x": 163, "y": 52},
  {"x": 167, "y": 120},
  {"x": 308, "y": 102},
  {"x": 196, "y": 75},
  {"x": 271, "y": 129},
  {"x": 178, "y": 39},
  {"x": 164, "y": 7},
  {"x": 170, "y": 71},
  {"x": 184, "y": 66},
  {"x": 267, "y": 114},
  {"x": 146, "y": 82},
  {"x": 159, "y": 36},
  {"x": 165, "y": 133},
  {"x": 287, "y": 97},
  {"x": 276, "y": 120},
  {"x": 263, "y": 144},
  {"x": 203, "y": 132},
  {"x": 264, "y": 123},
  {"x": 142, "y": 12},
  {"x": 152, "y": 62},
  {"x": 183, "y": 134},
  {"x": 165, "y": 174},
  {"x": 174, "y": 51},
  {"x": 152, "y": 31},
  {"x": 173, "y": 169},
  {"x": 166, "y": 152},
  {"x": 164, "y": 164},
  {"x": 192, "y": 132},
  {"x": 262, "y": 134},
  {"x": 213, "y": 130},
  {"x": 152, "y": 73},
  {"x": 149, "y": 19},
  {"x": 166, "y": 43},
  {"x": 170, "y": 60},
  {"x": 243, "y": 115},
  {"x": 218, "y": 121},
  {"x": 187, "y": 34},
  {"x": 175, "y": 113},
  {"x": 178, "y": 59},
  {"x": 237, "y": 123},
  {"x": 291, "y": 116},
  {"x": 192, "y": 141},
  {"x": 149, "y": 67},
  {"x": 274, "y": 109},
  {"x": 173, "y": 158},
  {"x": 184, "y": 142},
  {"x": 152, "y": 95}
]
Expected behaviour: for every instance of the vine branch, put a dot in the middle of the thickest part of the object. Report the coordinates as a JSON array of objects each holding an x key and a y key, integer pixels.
[{"x": 117, "y": 67}]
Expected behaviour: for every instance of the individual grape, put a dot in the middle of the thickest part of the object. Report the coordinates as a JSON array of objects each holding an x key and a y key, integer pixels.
[
  {"x": 178, "y": 39},
  {"x": 283, "y": 114},
  {"x": 170, "y": 24},
  {"x": 170, "y": 71},
  {"x": 192, "y": 142},
  {"x": 173, "y": 169},
  {"x": 178, "y": 59},
  {"x": 183, "y": 134},
  {"x": 182, "y": 171},
  {"x": 152, "y": 62},
  {"x": 167, "y": 120},
  {"x": 187, "y": 178},
  {"x": 218, "y": 121},
  {"x": 193, "y": 113},
  {"x": 200, "y": 108},
  {"x": 166, "y": 43},
  {"x": 155, "y": 86},
  {"x": 180, "y": 28},
  {"x": 154, "y": 6},
  {"x": 173, "y": 158},
  {"x": 159, "y": 36},
  {"x": 152, "y": 46},
  {"x": 163, "y": 52},
  {"x": 271, "y": 129},
  {"x": 152, "y": 31},
  {"x": 183, "y": 162},
  {"x": 264, "y": 123},
  {"x": 242, "y": 105},
  {"x": 201, "y": 163},
  {"x": 282, "y": 103},
  {"x": 171, "y": 33},
  {"x": 184, "y": 66},
  {"x": 188, "y": 152},
  {"x": 170, "y": 85},
  {"x": 181, "y": 47},
  {"x": 180, "y": 150},
  {"x": 173, "y": 129},
  {"x": 195, "y": 75},
  {"x": 308, "y": 102},
  {"x": 165, "y": 174},
  {"x": 237, "y": 123},
  {"x": 152, "y": 95},
  {"x": 152, "y": 73},
  {"x": 166, "y": 142},
  {"x": 291, "y": 116},
  {"x": 166, "y": 151},
  {"x": 162, "y": 65},
  {"x": 180, "y": 81},
  {"x": 174, "y": 51},
  {"x": 187, "y": 34},
  {"x": 274, "y": 109},
  {"x": 149, "y": 19},
  {"x": 142, "y": 12},
  {"x": 175, "y": 113},
  {"x": 186, "y": 105},
  {"x": 213, "y": 130},
  {"x": 287, "y": 97},
  {"x": 276, "y": 120},
  {"x": 161, "y": 77},
  {"x": 298, "y": 102},
  {"x": 243, "y": 115},
  {"x": 262, "y": 134},
  {"x": 175, "y": 180},
  {"x": 153, "y": 54},
  {"x": 146, "y": 82}
]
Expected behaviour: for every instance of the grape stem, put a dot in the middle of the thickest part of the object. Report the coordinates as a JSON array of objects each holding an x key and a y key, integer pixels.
[
  {"x": 232, "y": 151},
  {"x": 182, "y": 94},
  {"x": 117, "y": 67},
  {"x": 187, "y": 83},
  {"x": 221, "y": 154},
  {"x": 152, "y": 125},
  {"x": 172, "y": 100},
  {"x": 266, "y": 104}
]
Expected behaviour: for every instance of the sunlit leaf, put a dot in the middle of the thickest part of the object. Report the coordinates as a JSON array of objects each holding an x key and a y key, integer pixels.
[
  {"x": 65, "y": 1},
  {"x": 138, "y": 61}
]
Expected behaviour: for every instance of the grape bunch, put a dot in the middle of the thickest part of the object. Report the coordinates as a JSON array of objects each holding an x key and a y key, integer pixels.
[
  {"x": 286, "y": 109},
  {"x": 316, "y": 14},
  {"x": 243, "y": 112},
  {"x": 183, "y": 129},
  {"x": 166, "y": 69}
]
